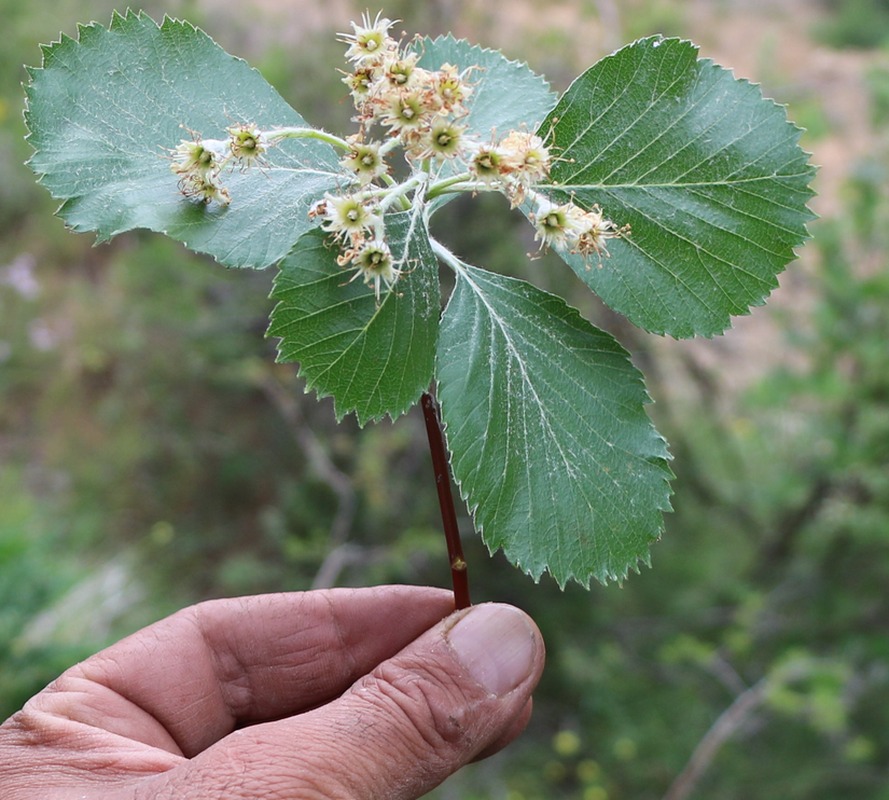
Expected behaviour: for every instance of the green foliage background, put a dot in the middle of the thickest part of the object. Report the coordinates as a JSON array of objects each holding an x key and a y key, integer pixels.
[{"x": 152, "y": 454}]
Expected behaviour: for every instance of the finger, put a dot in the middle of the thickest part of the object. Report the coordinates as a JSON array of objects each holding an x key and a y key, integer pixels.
[
  {"x": 460, "y": 690},
  {"x": 512, "y": 733},
  {"x": 191, "y": 679}
]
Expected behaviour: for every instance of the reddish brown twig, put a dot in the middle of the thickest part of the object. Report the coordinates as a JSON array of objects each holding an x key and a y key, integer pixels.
[{"x": 446, "y": 501}]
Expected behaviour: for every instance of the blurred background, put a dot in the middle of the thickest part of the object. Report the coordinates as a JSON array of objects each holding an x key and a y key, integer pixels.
[{"x": 153, "y": 455}]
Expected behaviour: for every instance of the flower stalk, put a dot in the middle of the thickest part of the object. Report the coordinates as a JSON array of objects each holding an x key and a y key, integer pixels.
[{"x": 456, "y": 559}]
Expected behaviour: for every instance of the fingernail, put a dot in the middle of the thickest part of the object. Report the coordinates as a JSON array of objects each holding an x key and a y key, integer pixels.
[{"x": 496, "y": 644}]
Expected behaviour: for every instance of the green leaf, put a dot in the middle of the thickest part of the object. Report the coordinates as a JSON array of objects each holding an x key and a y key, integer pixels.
[
  {"x": 550, "y": 442},
  {"x": 105, "y": 110},
  {"x": 506, "y": 94},
  {"x": 708, "y": 173},
  {"x": 374, "y": 360}
]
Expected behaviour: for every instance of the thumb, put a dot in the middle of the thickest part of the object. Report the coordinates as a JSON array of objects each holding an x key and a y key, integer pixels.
[{"x": 458, "y": 692}]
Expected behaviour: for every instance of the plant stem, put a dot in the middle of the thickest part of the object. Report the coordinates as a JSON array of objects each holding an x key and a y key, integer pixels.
[
  {"x": 444, "y": 185},
  {"x": 446, "y": 501},
  {"x": 398, "y": 192},
  {"x": 308, "y": 133}
]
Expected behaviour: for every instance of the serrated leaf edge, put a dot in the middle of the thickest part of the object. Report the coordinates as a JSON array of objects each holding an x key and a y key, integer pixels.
[
  {"x": 118, "y": 23},
  {"x": 664, "y": 507},
  {"x": 449, "y": 38},
  {"x": 810, "y": 171}
]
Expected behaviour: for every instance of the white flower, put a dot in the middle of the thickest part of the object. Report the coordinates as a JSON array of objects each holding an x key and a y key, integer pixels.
[
  {"x": 369, "y": 43},
  {"x": 486, "y": 163},
  {"x": 405, "y": 112},
  {"x": 247, "y": 144},
  {"x": 197, "y": 156},
  {"x": 450, "y": 89},
  {"x": 365, "y": 160},
  {"x": 442, "y": 139},
  {"x": 346, "y": 216},
  {"x": 569, "y": 227},
  {"x": 402, "y": 72},
  {"x": 596, "y": 231},
  {"x": 526, "y": 156},
  {"x": 204, "y": 187},
  {"x": 559, "y": 226},
  {"x": 373, "y": 263}
]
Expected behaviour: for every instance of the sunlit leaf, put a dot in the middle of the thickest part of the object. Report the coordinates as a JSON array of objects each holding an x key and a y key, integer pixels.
[
  {"x": 375, "y": 360},
  {"x": 708, "y": 174},
  {"x": 105, "y": 110},
  {"x": 551, "y": 444}
]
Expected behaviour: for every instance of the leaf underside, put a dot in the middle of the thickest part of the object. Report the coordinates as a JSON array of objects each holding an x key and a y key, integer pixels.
[
  {"x": 551, "y": 445},
  {"x": 708, "y": 174},
  {"x": 105, "y": 110}
]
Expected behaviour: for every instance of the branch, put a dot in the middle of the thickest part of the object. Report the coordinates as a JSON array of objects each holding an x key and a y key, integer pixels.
[
  {"x": 446, "y": 501},
  {"x": 341, "y": 557},
  {"x": 726, "y": 725}
]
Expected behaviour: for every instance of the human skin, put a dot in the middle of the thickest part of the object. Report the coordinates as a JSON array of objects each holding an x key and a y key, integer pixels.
[{"x": 347, "y": 693}]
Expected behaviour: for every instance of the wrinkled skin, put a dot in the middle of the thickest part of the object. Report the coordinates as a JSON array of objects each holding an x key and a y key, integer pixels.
[{"x": 360, "y": 694}]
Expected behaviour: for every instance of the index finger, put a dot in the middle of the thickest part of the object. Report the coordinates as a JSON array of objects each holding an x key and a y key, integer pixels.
[{"x": 191, "y": 679}]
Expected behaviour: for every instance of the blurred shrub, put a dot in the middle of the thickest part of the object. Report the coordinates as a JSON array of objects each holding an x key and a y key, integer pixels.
[
  {"x": 647, "y": 17},
  {"x": 143, "y": 423},
  {"x": 32, "y": 580},
  {"x": 854, "y": 23},
  {"x": 877, "y": 81}
]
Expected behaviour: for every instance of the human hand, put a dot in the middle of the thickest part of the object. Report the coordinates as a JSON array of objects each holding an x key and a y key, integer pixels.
[{"x": 347, "y": 693}]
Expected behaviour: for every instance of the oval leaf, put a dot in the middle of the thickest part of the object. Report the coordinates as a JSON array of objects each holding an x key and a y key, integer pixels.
[
  {"x": 374, "y": 360},
  {"x": 550, "y": 442},
  {"x": 708, "y": 174},
  {"x": 105, "y": 110}
]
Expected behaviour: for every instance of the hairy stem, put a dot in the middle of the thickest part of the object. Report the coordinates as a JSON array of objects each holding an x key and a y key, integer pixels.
[
  {"x": 399, "y": 191},
  {"x": 447, "y": 184},
  {"x": 459, "y": 576},
  {"x": 308, "y": 133}
]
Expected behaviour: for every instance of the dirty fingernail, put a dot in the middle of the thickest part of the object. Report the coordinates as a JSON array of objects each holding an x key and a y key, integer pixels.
[{"x": 497, "y": 645}]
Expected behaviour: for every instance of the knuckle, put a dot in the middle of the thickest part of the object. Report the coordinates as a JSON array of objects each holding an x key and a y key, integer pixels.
[{"x": 431, "y": 712}]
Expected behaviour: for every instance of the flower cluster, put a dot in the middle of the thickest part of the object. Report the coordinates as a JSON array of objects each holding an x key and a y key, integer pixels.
[
  {"x": 569, "y": 227},
  {"x": 513, "y": 166},
  {"x": 418, "y": 108},
  {"x": 423, "y": 113},
  {"x": 199, "y": 163},
  {"x": 398, "y": 105},
  {"x": 357, "y": 225}
]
